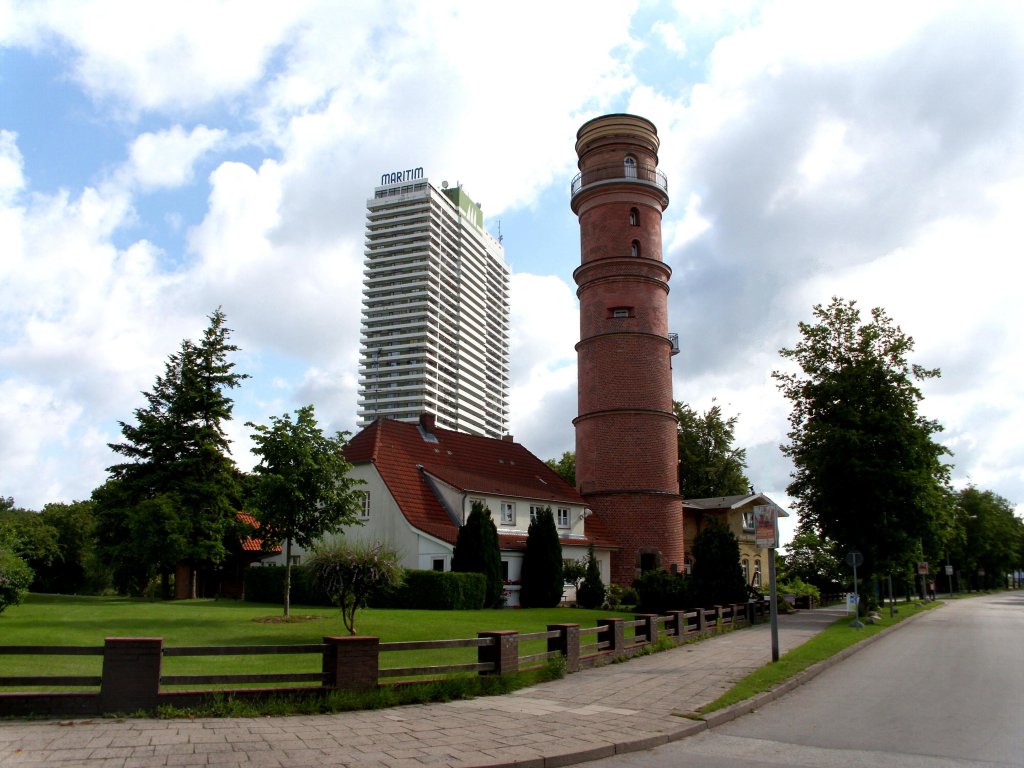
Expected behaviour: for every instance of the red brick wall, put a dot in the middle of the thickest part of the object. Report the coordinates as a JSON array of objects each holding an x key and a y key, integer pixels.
[{"x": 626, "y": 448}]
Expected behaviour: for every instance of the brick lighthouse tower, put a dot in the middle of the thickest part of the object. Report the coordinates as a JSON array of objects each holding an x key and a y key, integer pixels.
[{"x": 626, "y": 446}]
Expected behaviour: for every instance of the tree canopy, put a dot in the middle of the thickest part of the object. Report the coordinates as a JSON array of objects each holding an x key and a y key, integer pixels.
[
  {"x": 303, "y": 490},
  {"x": 868, "y": 473},
  {"x": 565, "y": 467},
  {"x": 177, "y": 460},
  {"x": 709, "y": 464}
]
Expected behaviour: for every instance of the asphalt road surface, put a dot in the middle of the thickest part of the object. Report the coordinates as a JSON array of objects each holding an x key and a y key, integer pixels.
[{"x": 946, "y": 691}]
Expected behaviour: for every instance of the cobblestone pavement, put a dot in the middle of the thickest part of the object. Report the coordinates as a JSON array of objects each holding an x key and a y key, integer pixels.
[{"x": 593, "y": 713}]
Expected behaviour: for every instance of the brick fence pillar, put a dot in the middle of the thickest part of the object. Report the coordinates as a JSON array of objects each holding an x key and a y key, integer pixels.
[
  {"x": 131, "y": 673},
  {"x": 702, "y": 622},
  {"x": 503, "y": 652},
  {"x": 351, "y": 663},
  {"x": 649, "y": 629},
  {"x": 613, "y": 632},
  {"x": 676, "y": 624},
  {"x": 719, "y": 617},
  {"x": 567, "y": 643}
]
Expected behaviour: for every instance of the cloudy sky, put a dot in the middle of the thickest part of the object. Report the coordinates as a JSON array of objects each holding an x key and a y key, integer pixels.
[{"x": 158, "y": 160}]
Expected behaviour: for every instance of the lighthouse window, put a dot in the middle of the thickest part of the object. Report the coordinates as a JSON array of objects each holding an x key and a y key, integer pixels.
[
  {"x": 630, "y": 167},
  {"x": 634, "y": 217},
  {"x": 621, "y": 312},
  {"x": 634, "y": 248}
]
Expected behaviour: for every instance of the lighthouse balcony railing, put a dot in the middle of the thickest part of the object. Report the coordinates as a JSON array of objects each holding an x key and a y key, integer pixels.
[{"x": 648, "y": 174}]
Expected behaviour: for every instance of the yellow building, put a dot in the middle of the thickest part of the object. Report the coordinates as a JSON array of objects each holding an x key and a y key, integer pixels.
[{"x": 739, "y": 514}]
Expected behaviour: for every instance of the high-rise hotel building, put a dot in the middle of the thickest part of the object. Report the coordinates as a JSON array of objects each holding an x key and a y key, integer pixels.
[{"x": 435, "y": 309}]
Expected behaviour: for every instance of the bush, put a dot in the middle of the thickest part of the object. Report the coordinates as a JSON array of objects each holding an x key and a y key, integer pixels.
[
  {"x": 661, "y": 591},
  {"x": 265, "y": 584},
  {"x": 477, "y": 551},
  {"x": 351, "y": 571},
  {"x": 435, "y": 590},
  {"x": 591, "y": 591},
  {"x": 717, "y": 576},
  {"x": 798, "y": 587},
  {"x": 15, "y": 576}
]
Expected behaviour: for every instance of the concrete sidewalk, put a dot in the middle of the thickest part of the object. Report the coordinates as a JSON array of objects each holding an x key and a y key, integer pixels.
[{"x": 593, "y": 713}]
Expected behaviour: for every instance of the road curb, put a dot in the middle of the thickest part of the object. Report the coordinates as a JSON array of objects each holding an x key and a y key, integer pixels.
[
  {"x": 741, "y": 708},
  {"x": 715, "y": 719}
]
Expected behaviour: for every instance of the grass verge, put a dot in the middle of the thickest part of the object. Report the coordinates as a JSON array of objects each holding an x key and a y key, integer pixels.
[
  {"x": 433, "y": 691},
  {"x": 836, "y": 637}
]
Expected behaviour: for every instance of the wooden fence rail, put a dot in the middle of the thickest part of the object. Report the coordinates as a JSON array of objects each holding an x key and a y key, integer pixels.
[{"x": 132, "y": 680}]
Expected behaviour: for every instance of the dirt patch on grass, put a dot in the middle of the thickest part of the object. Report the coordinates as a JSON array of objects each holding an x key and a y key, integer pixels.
[{"x": 293, "y": 619}]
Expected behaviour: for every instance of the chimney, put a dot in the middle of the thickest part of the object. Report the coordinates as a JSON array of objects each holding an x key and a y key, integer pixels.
[
  {"x": 507, "y": 438},
  {"x": 427, "y": 422}
]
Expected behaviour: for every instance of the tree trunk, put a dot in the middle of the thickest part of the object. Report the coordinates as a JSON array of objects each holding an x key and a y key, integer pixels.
[
  {"x": 287, "y": 577},
  {"x": 194, "y": 577}
]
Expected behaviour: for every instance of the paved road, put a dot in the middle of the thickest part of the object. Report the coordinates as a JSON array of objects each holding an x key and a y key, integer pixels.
[{"x": 946, "y": 691}]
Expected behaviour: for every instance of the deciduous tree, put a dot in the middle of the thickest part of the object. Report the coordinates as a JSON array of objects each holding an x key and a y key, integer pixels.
[
  {"x": 717, "y": 575},
  {"x": 565, "y": 467},
  {"x": 709, "y": 464},
  {"x": 868, "y": 473},
  {"x": 303, "y": 490},
  {"x": 350, "y": 571}
]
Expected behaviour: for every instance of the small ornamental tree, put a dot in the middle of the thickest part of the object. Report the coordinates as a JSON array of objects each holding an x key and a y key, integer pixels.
[
  {"x": 574, "y": 571},
  {"x": 476, "y": 551},
  {"x": 591, "y": 591},
  {"x": 542, "y": 579},
  {"x": 717, "y": 575},
  {"x": 303, "y": 489},
  {"x": 351, "y": 571}
]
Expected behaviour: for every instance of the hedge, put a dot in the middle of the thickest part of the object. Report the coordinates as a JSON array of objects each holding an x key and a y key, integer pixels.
[
  {"x": 436, "y": 590},
  {"x": 430, "y": 590}
]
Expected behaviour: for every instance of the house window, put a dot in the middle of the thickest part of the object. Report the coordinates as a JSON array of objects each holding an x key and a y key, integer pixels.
[
  {"x": 629, "y": 167},
  {"x": 757, "y": 573},
  {"x": 504, "y": 570},
  {"x": 563, "y": 517},
  {"x": 364, "y": 511},
  {"x": 534, "y": 512},
  {"x": 748, "y": 520},
  {"x": 746, "y": 570},
  {"x": 634, "y": 248},
  {"x": 508, "y": 513},
  {"x": 438, "y": 564},
  {"x": 634, "y": 217}
]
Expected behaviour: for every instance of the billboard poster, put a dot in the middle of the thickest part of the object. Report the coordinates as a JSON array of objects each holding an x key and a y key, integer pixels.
[{"x": 765, "y": 526}]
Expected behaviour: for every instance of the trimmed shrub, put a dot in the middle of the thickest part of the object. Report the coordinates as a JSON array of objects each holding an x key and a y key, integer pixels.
[
  {"x": 542, "y": 579},
  {"x": 265, "y": 584},
  {"x": 661, "y": 591},
  {"x": 477, "y": 551},
  {"x": 435, "y": 591},
  {"x": 591, "y": 592}
]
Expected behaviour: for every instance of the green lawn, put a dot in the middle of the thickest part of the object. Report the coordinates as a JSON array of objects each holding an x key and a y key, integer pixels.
[{"x": 59, "y": 620}]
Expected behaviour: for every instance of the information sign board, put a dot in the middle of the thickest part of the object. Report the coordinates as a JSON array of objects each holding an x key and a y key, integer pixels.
[{"x": 765, "y": 526}]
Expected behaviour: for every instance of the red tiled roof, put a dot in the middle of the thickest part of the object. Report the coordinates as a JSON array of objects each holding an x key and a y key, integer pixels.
[
  {"x": 403, "y": 453},
  {"x": 250, "y": 544}
]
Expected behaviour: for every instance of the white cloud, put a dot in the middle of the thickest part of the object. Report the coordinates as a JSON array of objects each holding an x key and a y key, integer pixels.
[{"x": 166, "y": 158}]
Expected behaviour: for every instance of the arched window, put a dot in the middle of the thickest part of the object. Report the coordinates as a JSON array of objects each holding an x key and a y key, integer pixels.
[
  {"x": 634, "y": 248},
  {"x": 630, "y": 167},
  {"x": 634, "y": 217},
  {"x": 746, "y": 571},
  {"x": 757, "y": 574}
]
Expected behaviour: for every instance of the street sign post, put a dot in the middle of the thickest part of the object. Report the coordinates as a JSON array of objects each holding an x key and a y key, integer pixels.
[
  {"x": 854, "y": 559},
  {"x": 766, "y": 527}
]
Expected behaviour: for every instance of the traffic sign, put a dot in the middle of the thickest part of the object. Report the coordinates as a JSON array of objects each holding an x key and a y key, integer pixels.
[
  {"x": 854, "y": 558},
  {"x": 922, "y": 568},
  {"x": 949, "y": 570}
]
